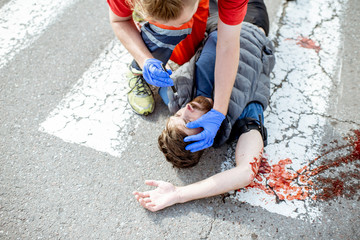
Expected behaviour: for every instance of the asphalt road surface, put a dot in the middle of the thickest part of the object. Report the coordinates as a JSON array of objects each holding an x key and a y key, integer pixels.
[{"x": 72, "y": 151}]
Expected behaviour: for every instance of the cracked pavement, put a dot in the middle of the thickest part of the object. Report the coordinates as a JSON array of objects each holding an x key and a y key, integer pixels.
[{"x": 72, "y": 151}]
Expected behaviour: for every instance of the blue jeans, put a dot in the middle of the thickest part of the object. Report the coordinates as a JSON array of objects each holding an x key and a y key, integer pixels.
[
  {"x": 253, "y": 110},
  {"x": 163, "y": 94}
]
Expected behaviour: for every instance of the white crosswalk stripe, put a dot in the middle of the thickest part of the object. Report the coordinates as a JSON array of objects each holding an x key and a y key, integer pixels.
[
  {"x": 23, "y": 21},
  {"x": 300, "y": 92},
  {"x": 95, "y": 113}
]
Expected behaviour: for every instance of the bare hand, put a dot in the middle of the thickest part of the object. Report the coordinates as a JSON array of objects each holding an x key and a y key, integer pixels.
[{"x": 163, "y": 196}]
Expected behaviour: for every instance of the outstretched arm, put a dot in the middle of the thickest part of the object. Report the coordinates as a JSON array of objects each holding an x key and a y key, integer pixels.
[{"x": 248, "y": 149}]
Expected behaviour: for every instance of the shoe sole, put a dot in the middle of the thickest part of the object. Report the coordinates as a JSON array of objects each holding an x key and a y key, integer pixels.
[{"x": 141, "y": 114}]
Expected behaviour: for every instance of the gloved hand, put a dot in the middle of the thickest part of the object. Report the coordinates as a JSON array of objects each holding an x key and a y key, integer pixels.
[
  {"x": 155, "y": 75},
  {"x": 210, "y": 122}
]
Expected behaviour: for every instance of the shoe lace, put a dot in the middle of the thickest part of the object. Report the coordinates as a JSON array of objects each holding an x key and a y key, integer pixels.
[{"x": 140, "y": 86}]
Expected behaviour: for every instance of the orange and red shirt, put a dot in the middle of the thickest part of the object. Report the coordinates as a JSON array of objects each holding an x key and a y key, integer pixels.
[{"x": 231, "y": 12}]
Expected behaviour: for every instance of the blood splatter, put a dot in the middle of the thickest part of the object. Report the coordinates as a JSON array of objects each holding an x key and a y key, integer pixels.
[
  {"x": 307, "y": 43},
  {"x": 255, "y": 167},
  {"x": 307, "y": 182}
]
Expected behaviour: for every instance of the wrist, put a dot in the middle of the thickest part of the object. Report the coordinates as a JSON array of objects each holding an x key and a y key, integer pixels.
[
  {"x": 218, "y": 113},
  {"x": 180, "y": 196},
  {"x": 142, "y": 62},
  {"x": 220, "y": 110}
]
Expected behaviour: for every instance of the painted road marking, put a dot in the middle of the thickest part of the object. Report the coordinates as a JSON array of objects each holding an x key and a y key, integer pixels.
[
  {"x": 23, "y": 21},
  {"x": 95, "y": 113},
  {"x": 307, "y": 64}
]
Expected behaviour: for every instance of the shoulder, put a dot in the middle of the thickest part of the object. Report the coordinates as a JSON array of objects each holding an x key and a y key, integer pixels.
[
  {"x": 232, "y": 12},
  {"x": 120, "y": 8}
]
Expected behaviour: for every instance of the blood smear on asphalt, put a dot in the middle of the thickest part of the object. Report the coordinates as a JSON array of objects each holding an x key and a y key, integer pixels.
[
  {"x": 308, "y": 43},
  {"x": 284, "y": 183}
]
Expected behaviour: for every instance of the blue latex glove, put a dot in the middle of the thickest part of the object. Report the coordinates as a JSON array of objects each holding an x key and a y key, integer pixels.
[
  {"x": 210, "y": 122},
  {"x": 155, "y": 75}
]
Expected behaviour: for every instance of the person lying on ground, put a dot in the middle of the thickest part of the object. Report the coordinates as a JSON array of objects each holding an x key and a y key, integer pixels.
[{"x": 244, "y": 120}]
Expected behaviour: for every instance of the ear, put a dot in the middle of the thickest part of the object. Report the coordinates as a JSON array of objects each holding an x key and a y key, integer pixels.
[{"x": 189, "y": 108}]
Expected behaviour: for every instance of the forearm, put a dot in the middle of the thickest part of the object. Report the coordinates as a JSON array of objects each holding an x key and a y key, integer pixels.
[
  {"x": 249, "y": 148},
  {"x": 223, "y": 182},
  {"x": 227, "y": 60},
  {"x": 128, "y": 34}
]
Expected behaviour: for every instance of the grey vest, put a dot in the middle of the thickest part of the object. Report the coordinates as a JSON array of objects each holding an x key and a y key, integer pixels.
[{"x": 252, "y": 83}]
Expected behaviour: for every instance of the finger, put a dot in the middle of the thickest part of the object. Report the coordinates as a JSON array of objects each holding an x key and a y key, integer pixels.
[
  {"x": 194, "y": 124},
  {"x": 143, "y": 194},
  {"x": 163, "y": 82},
  {"x": 158, "y": 73},
  {"x": 136, "y": 193},
  {"x": 198, "y": 137},
  {"x": 150, "y": 204},
  {"x": 169, "y": 71},
  {"x": 165, "y": 78},
  {"x": 137, "y": 197},
  {"x": 142, "y": 203},
  {"x": 152, "y": 183},
  {"x": 146, "y": 200}
]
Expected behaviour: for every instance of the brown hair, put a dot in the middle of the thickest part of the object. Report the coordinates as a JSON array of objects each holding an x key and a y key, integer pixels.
[
  {"x": 160, "y": 9},
  {"x": 171, "y": 143}
]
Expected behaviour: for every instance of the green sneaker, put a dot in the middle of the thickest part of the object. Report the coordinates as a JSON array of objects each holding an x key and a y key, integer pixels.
[{"x": 140, "y": 96}]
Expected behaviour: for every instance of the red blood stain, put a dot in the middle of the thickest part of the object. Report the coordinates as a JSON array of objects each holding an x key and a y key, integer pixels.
[
  {"x": 307, "y": 43},
  {"x": 284, "y": 183},
  {"x": 254, "y": 168}
]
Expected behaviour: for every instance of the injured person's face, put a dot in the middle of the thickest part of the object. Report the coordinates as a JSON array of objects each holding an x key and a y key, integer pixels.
[{"x": 191, "y": 112}]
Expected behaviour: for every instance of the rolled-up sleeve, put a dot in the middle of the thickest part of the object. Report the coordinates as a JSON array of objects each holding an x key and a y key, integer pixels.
[
  {"x": 232, "y": 12},
  {"x": 120, "y": 7}
]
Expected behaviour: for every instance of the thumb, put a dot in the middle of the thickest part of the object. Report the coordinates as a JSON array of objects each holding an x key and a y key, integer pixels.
[
  {"x": 194, "y": 124},
  {"x": 169, "y": 71}
]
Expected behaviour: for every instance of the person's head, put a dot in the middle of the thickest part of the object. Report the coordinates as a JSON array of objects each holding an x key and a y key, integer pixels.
[
  {"x": 167, "y": 12},
  {"x": 171, "y": 140}
]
